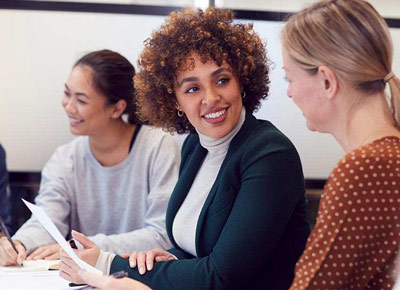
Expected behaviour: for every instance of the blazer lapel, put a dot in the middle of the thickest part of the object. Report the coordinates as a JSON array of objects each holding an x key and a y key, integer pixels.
[
  {"x": 249, "y": 123},
  {"x": 183, "y": 185}
]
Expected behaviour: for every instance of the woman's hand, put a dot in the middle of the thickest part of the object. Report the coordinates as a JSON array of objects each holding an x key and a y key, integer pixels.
[
  {"x": 90, "y": 253},
  {"x": 108, "y": 282},
  {"x": 145, "y": 260},
  {"x": 8, "y": 256},
  {"x": 50, "y": 252}
]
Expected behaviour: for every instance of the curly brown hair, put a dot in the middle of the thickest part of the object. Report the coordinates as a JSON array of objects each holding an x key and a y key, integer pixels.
[{"x": 210, "y": 34}]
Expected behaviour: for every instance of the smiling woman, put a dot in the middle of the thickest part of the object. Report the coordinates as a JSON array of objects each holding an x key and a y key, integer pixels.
[
  {"x": 239, "y": 204},
  {"x": 114, "y": 180},
  {"x": 209, "y": 95}
]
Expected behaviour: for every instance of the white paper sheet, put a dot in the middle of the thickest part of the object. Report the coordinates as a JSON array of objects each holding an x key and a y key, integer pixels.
[
  {"x": 46, "y": 222},
  {"x": 33, "y": 281},
  {"x": 31, "y": 266}
]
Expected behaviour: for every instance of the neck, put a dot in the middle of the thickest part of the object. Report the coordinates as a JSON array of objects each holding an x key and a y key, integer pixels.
[
  {"x": 111, "y": 145},
  {"x": 367, "y": 119}
]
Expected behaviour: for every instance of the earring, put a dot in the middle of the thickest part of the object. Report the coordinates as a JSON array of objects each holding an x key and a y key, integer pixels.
[
  {"x": 180, "y": 113},
  {"x": 243, "y": 94}
]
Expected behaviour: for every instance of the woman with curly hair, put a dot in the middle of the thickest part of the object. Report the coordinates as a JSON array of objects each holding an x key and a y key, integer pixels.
[{"x": 237, "y": 215}]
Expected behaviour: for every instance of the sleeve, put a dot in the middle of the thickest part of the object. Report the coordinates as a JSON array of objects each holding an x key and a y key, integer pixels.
[
  {"x": 353, "y": 225},
  {"x": 271, "y": 185},
  {"x": 4, "y": 201},
  {"x": 163, "y": 170},
  {"x": 53, "y": 197}
]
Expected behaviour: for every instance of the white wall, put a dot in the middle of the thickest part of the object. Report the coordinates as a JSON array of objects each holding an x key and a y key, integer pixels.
[{"x": 38, "y": 49}]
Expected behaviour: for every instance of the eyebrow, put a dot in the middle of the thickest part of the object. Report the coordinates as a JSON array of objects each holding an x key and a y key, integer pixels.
[
  {"x": 77, "y": 93},
  {"x": 193, "y": 79}
]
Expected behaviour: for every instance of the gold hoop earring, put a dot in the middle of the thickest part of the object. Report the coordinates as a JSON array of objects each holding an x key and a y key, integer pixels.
[{"x": 180, "y": 113}]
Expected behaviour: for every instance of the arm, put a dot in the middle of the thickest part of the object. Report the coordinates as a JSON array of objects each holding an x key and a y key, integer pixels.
[
  {"x": 53, "y": 197},
  {"x": 271, "y": 185},
  {"x": 163, "y": 168}
]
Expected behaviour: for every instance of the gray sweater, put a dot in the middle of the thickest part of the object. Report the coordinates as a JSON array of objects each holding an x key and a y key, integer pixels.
[{"x": 121, "y": 208}]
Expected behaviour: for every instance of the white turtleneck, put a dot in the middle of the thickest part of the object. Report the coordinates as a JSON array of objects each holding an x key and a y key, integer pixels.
[{"x": 185, "y": 222}]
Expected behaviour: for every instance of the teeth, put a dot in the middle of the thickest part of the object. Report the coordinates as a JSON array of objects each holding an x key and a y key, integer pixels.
[
  {"x": 215, "y": 115},
  {"x": 75, "y": 121}
]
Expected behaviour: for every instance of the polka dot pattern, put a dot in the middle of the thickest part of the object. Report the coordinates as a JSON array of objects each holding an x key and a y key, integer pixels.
[{"x": 357, "y": 234}]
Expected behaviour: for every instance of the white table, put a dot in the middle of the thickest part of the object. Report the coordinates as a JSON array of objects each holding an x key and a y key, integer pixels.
[{"x": 49, "y": 280}]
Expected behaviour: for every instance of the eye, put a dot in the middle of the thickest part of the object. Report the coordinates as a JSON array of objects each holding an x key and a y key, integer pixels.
[
  {"x": 223, "y": 80},
  {"x": 286, "y": 79},
  {"x": 67, "y": 94},
  {"x": 81, "y": 102},
  {"x": 191, "y": 90}
]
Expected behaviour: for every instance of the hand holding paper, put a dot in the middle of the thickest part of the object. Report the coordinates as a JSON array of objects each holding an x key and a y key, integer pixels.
[{"x": 46, "y": 222}]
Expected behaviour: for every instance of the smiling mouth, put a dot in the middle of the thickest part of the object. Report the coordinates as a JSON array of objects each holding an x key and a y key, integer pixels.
[
  {"x": 74, "y": 121},
  {"x": 215, "y": 115}
]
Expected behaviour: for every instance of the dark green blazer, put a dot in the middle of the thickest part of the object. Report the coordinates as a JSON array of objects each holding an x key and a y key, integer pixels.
[{"x": 252, "y": 227}]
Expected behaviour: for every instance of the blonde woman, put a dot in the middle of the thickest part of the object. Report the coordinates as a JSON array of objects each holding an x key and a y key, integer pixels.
[{"x": 338, "y": 60}]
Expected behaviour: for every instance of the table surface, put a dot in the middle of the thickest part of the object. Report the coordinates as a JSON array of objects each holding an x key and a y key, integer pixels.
[{"x": 49, "y": 280}]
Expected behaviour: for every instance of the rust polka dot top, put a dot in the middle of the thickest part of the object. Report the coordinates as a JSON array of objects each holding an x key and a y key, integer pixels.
[{"x": 357, "y": 234}]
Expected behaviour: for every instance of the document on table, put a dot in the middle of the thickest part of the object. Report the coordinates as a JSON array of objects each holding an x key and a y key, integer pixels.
[
  {"x": 46, "y": 222},
  {"x": 32, "y": 266},
  {"x": 33, "y": 281}
]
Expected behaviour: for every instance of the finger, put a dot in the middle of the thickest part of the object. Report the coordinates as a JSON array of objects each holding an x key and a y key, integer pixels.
[
  {"x": 132, "y": 259},
  {"x": 150, "y": 260},
  {"x": 32, "y": 255},
  {"x": 9, "y": 254},
  {"x": 4, "y": 258},
  {"x": 141, "y": 260},
  {"x": 54, "y": 256},
  {"x": 21, "y": 253},
  {"x": 65, "y": 275},
  {"x": 66, "y": 259},
  {"x": 81, "y": 238},
  {"x": 41, "y": 254},
  {"x": 162, "y": 258},
  {"x": 93, "y": 279},
  {"x": 125, "y": 255}
]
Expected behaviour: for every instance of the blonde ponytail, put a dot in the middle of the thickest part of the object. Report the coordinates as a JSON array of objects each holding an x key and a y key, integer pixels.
[{"x": 394, "y": 85}]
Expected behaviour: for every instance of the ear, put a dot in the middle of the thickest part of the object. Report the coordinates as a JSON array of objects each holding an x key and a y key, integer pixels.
[
  {"x": 118, "y": 109},
  {"x": 177, "y": 106},
  {"x": 330, "y": 81}
]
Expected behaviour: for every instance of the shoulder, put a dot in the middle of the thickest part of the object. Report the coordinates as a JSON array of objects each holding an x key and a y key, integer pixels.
[
  {"x": 267, "y": 135},
  {"x": 369, "y": 161},
  {"x": 76, "y": 146},
  {"x": 155, "y": 144},
  {"x": 369, "y": 169},
  {"x": 260, "y": 138},
  {"x": 153, "y": 137},
  {"x": 65, "y": 155}
]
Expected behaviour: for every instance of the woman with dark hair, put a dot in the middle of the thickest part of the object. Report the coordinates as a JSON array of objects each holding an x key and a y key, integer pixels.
[
  {"x": 113, "y": 182},
  {"x": 237, "y": 216}
]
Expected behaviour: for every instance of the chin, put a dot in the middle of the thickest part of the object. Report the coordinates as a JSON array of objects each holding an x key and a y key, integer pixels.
[
  {"x": 76, "y": 132},
  {"x": 311, "y": 127}
]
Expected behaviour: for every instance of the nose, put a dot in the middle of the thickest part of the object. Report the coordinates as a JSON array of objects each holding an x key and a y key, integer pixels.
[
  {"x": 211, "y": 97},
  {"x": 288, "y": 93},
  {"x": 69, "y": 105}
]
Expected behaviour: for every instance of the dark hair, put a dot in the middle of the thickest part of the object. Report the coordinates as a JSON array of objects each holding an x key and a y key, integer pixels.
[
  {"x": 213, "y": 36},
  {"x": 113, "y": 77}
]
